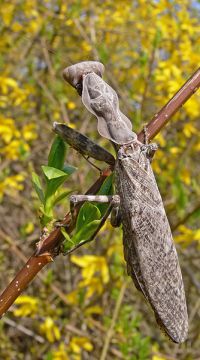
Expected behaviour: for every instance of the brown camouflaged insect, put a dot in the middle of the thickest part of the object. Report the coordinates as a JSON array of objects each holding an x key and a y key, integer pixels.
[{"x": 149, "y": 251}]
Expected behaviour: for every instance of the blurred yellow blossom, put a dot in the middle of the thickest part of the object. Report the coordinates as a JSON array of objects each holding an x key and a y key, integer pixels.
[
  {"x": 50, "y": 330},
  {"x": 6, "y": 83},
  {"x": 158, "y": 357},
  {"x": 189, "y": 129},
  {"x": 71, "y": 105},
  {"x": 11, "y": 185},
  {"x": 185, "y": 176},
  {"x": 60, "y": 353},
  {"x": 73, "y": 297},
  {"x": 185, "y": 236},
  {"x": 15, "y": 149},
  {"x": 93, "y": 286},
  {"x": 27, "y": 305},
  {"x": 91, "y": 264},
  {"x": 174, "y": 150},
  {"x": 79, "y": 343},
  {"x": 8, "y": 129},
  {"x": 29, "y": 132},
  {"x": 28, "y": 228},
  {"x": 93, "y": 310}
]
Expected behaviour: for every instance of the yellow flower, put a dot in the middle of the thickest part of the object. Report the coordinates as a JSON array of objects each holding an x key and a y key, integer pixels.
[
  {"x": 73, "y": 297},
  {"x": 189, "y": 130},
  {"x": 86, "y": 47},
  {"x": 69, "y": 22},
  {"x": 50, "y": 330},
  {"x": 185, "y": 236},
  {"x": 93, "y": 286},
  {"x": 93, "y": 310},
  {"x": 14, "y": 148},
  {"x": 185, "y": 176},
  {"x": 197, "y": 235},
  {"x": 6, "y": 83},
  {"x": 79, "y": 343},
  {"x": 91, "y": 264},
  {"x": 71, "y": 105},
  {"x": 11, "y": 185},
  {"x": 56, "y": 115},
  {"x": 160, "y": 139},
  {"x": 28, "y": 132},
  {"x": 174, "y": 150},
  {"x": 156, "y": 357},
  {"x": 8, "y": 129},
  {"x": 16, "y": 27},
  {"x": 61, "y": 353},
  {"x": 7, "y": 13},
  {"x": 28, "y": 305},
  {"x": 28, "y": 228}
]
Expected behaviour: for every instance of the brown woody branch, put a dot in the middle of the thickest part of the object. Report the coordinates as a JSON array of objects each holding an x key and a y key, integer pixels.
[{"x": 48, "y": 248}]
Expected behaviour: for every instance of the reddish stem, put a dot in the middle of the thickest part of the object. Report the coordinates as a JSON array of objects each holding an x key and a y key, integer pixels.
[{"x": 22, "y": 279}]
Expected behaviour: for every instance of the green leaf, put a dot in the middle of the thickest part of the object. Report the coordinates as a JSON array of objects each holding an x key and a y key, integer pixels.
[
  {"x": 57, "y": 153},
  {"x": 103, "y": 52},
  {"x": 37, "y": 186},
  {"x": 53, "y": 185},
  {"x": 106, "y": 189},
  {"x": 66, "y": 235},
  {"x": 46, "y": 218},
  {"x": 107, "y": 186},
  {"x": 157, "y": 38},
  {"x": 85, "y": 232},
  {"x": 143, "y": 59},
  {"x": 61, "y": 196},
  {"x": 49, "y": 356},
  {"x": 68, "y": 242},
  {"x": 52, "y": 173},
  {"x": 68, "y": 169},
  {"x": 87, "y": 214},
  {"x": 55, "y": 178},
  {"x": 180, "y": 194}
]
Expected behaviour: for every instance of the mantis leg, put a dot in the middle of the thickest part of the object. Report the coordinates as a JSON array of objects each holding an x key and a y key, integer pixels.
[
  {"x": 150, "y": 149},
  {"x": 83, "y": 144},
  {"x": 113, "y": 205},
  {"x": 113, "y": 200}
]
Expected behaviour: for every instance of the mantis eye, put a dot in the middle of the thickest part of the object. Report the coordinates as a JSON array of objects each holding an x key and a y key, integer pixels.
[{"x": 93, "y": 93}]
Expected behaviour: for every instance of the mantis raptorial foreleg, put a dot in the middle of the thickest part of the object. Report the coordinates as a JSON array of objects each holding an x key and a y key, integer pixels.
[
  {"x": 83, "y": 144},
  {"x": 113, "y": 201},
  {"x": 88, "y": 149}
]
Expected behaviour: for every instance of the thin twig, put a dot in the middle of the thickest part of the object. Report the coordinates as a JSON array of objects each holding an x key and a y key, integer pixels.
[
  {"x": 186, "y": 217},
  {"x": 109, "y": 334},
  {"x": 79, "y": 332},
  {"x": 147, "y": 80},
  {"x": 24, "y": 330}
]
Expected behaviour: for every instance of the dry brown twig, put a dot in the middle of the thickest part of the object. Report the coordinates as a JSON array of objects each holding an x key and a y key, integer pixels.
[
  {"x": 47, "y": 248},
  {"x": 109, "y": 334}
]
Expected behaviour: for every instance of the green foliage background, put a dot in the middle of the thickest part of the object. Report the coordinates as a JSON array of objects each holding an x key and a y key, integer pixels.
[{"x": 149, "y": 48}]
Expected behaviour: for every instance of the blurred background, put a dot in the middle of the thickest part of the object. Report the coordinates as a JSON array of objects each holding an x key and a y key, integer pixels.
[{"x": 149, "y": 49}]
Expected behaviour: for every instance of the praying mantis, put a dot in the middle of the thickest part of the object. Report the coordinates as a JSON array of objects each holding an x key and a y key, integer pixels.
[{"x": 149, "y": 251}]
